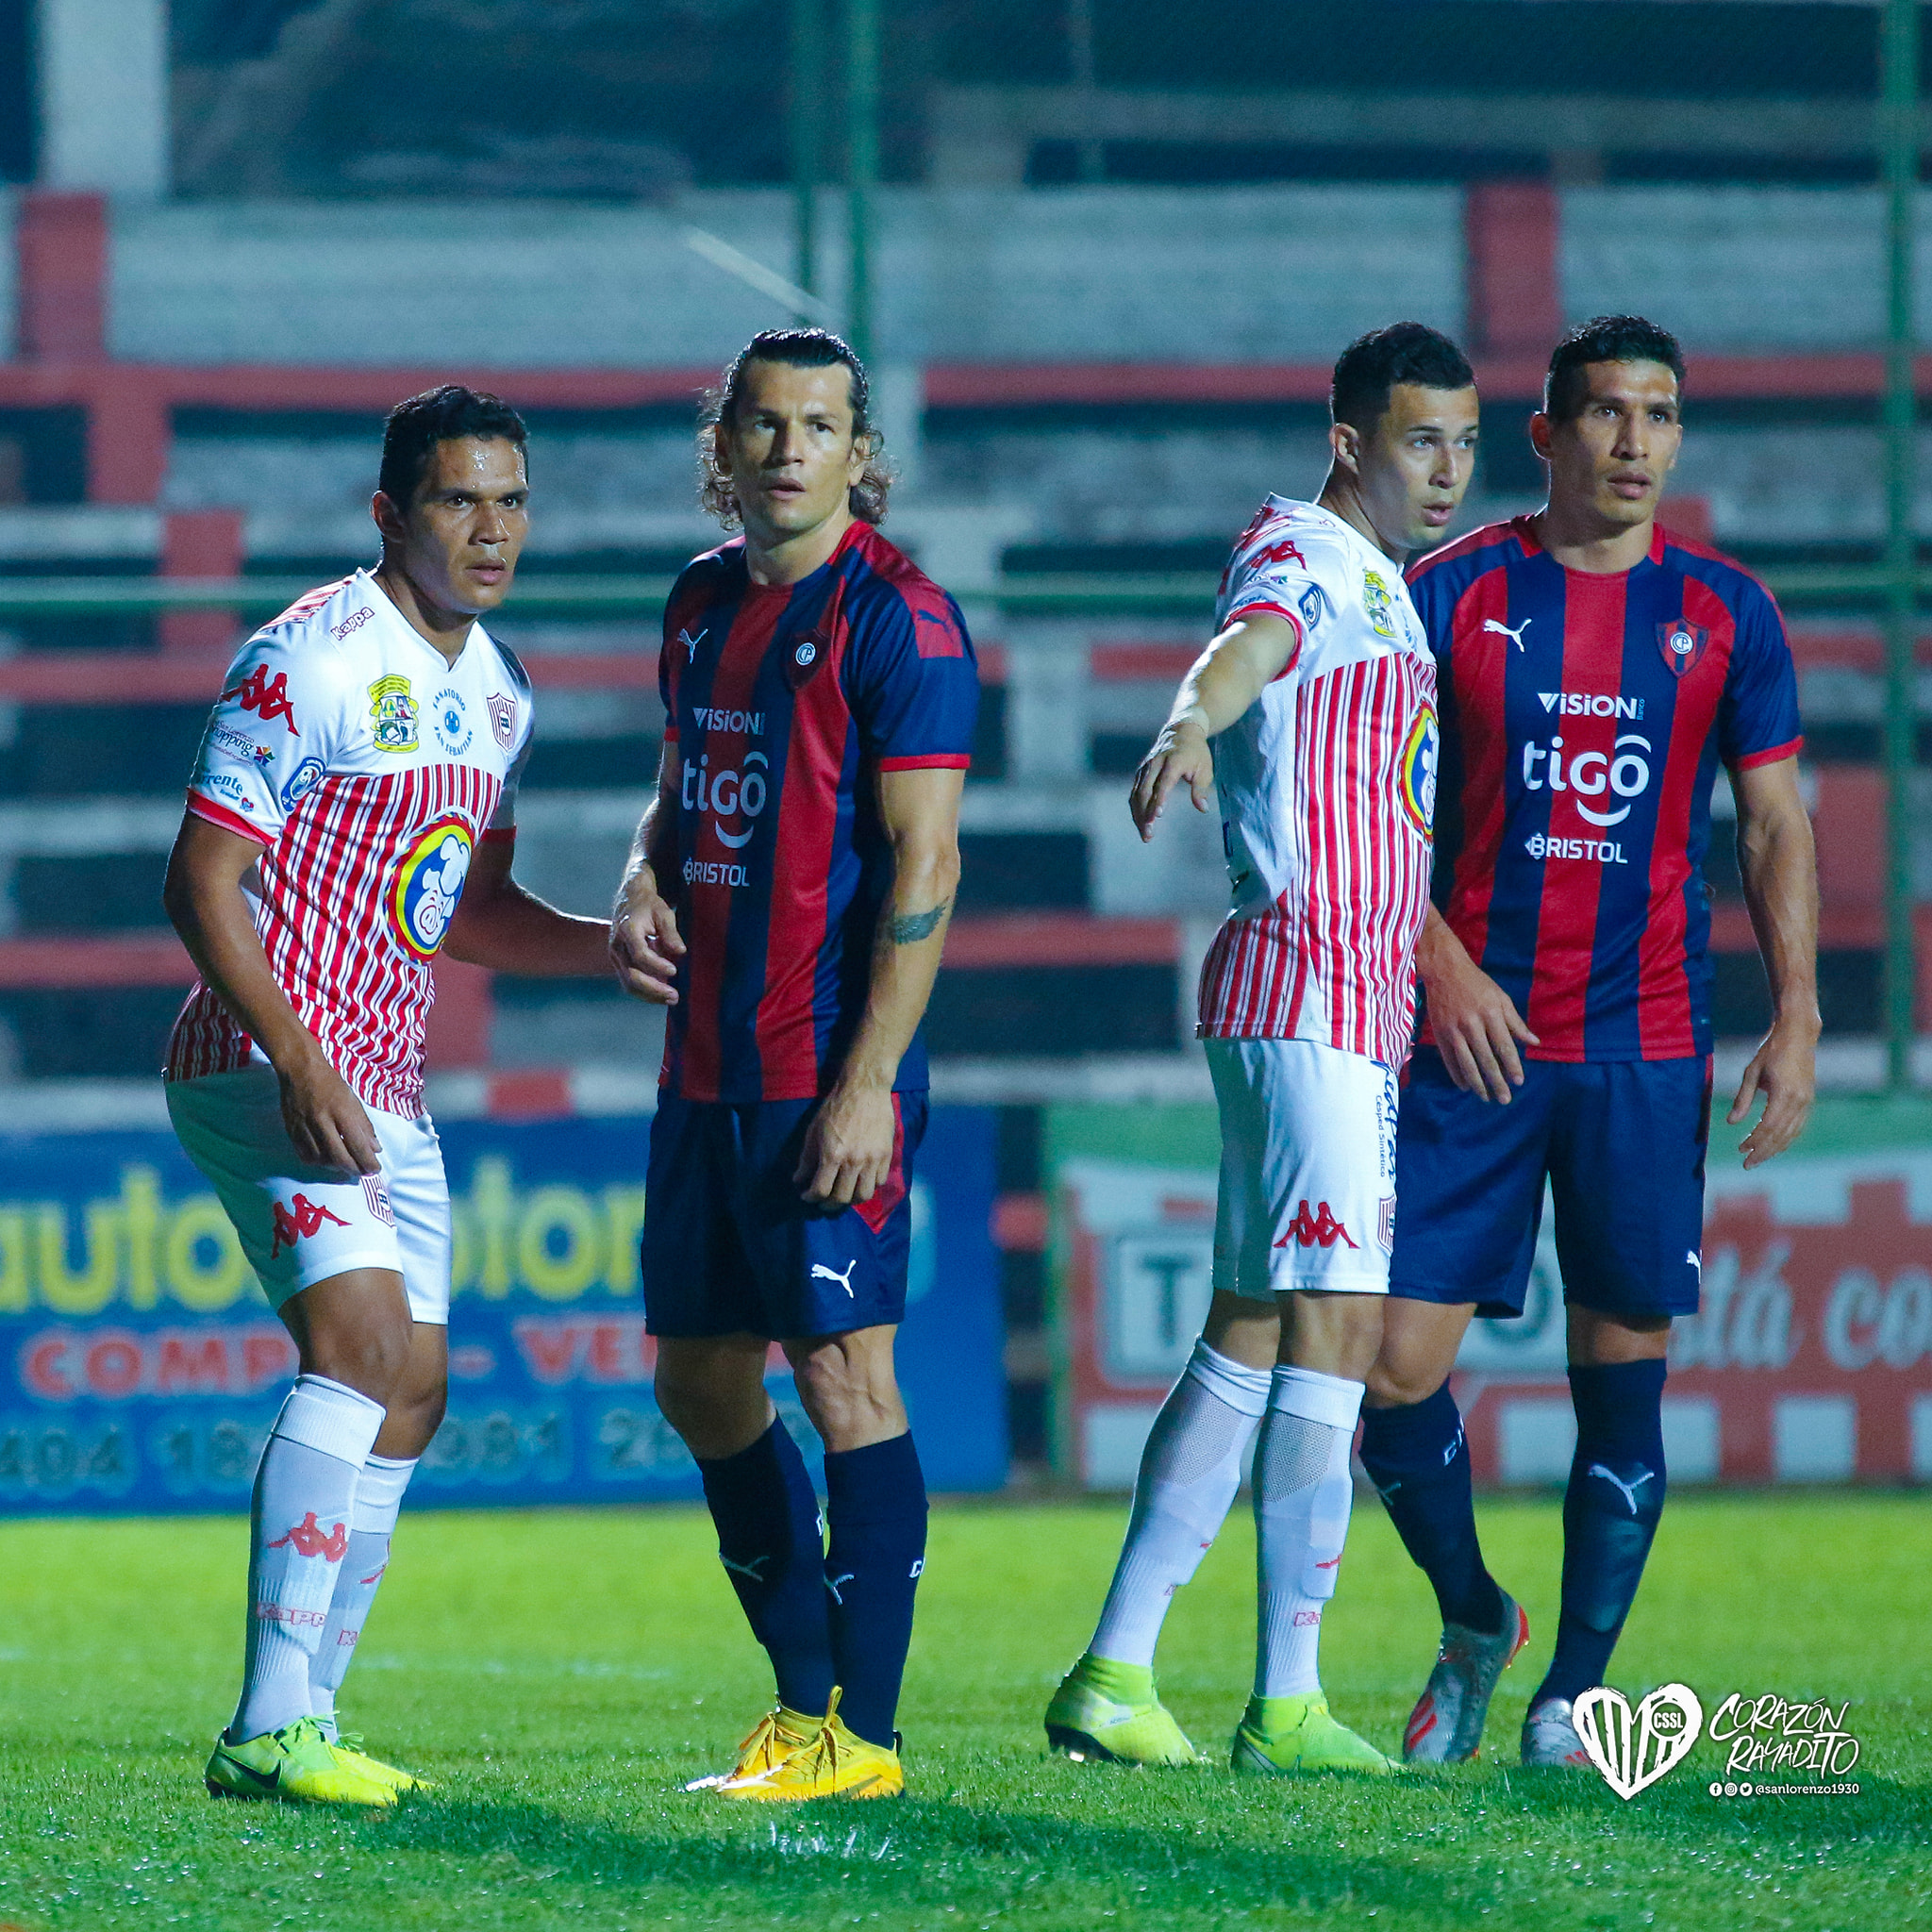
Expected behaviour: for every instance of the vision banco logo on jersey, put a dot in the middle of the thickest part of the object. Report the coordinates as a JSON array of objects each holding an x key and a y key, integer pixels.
[
  {"x": 1419, "y": 770},
  {"x": 429, "y": 886}
]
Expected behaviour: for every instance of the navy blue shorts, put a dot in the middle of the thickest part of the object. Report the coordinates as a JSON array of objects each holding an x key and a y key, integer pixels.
[
  {"x": 730, "y": 1247},
  {"x": 1622, "y": 1144}
]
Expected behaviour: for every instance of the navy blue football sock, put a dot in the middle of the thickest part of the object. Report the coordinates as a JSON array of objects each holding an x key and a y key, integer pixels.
[
  {"x": 876, "y": 1511},
  {"x": 1418, "y": 1460},
  {"x": 1610, "y": 1512},
  {"x": 769, "y": 1542}
]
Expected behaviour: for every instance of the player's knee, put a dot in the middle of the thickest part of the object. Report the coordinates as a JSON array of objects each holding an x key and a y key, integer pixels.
[
  {"x": 370, "y": 1357},
  {"x": 1399, "y": 1382},
  {"x": 850, "y": 1399}
]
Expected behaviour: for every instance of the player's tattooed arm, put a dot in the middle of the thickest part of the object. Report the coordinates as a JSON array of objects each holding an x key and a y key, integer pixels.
[
  {"x": 848, "y": 1147},
  {"x": 907, "y": 929},
  {"x": 1221, "y": 684}
]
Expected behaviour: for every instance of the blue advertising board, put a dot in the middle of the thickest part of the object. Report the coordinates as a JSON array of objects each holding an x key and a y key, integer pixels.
[{"x": 141, "y": 1366}]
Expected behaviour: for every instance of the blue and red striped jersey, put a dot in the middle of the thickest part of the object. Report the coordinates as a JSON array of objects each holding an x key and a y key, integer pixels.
[
  {"x": 782, "y": 704},
  {"x": 1584, "y": 718}
]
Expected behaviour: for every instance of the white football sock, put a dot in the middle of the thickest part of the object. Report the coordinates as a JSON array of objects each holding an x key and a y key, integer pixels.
[
  {"x": 299, "y": 1534},
  {"x": 1190, "y": 1471},
  {"x": 378, "y": 1497},
  {"x": 1303, "y": 1495}
]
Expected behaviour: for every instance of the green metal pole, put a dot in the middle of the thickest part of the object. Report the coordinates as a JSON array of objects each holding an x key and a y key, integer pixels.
[
  {"x": 861, "y": 161},
  {"x": 806, "y": 117},
  {"x": 1899, "y": 138}
]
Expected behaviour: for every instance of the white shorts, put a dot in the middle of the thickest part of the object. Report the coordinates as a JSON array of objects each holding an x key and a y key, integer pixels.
[
  {"x": 1308, "y": 1167},
  {"x": 300, "y": 1224}
]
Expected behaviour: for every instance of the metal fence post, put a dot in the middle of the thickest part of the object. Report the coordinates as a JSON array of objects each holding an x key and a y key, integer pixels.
[
  {"x": 1899, "y": 155},
  {"x": 861, "y": 160},
  {"x": 806, "y": 118}
]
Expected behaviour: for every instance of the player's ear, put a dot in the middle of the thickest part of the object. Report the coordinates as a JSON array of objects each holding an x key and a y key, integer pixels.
[
  {"x": 388, "y": 519},
  {"x": 1346, "y": 444},
  {"x": 1540, "y": 434}
]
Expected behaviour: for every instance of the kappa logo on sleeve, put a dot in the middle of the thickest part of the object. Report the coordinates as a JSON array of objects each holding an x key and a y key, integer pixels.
[{"x": 268, "y": 697}]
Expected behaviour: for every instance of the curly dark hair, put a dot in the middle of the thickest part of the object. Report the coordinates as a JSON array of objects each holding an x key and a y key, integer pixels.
[
  {"x": 801, "y": 348},
  {"x": 1604, "y": 338}
]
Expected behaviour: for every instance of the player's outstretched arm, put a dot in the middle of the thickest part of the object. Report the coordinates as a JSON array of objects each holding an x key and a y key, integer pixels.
[
  {"x": 848, "y": 1147},
  {"x": 1222, "y": 683},
  {"x": 1475, "y": 1023},
  {"x": 203, "y": 898},
  {"x": 643, "y": 942},
  {"x": 500, "y": 926},
  {"x": 1780, "y": 865}
]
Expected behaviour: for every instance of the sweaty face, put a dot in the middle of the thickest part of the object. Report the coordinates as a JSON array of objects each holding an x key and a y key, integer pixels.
[
  {"x": 459, "y": 539},
  {"x": 1417, "y": 465},
  {"x": 789, "y": 448},
  {"x": 1614, "y": 454}
]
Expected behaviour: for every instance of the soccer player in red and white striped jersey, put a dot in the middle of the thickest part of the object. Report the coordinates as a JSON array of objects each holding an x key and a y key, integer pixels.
[
  {"x": 1312, "y": 713},
  {"x": 351, "y": 814}
]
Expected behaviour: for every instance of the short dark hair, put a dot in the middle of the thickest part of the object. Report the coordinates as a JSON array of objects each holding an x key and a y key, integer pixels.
[
  {"x": 1372, "y": 364},
  {"x": 440, "y": 415},
  {"x": 800, "y": 348},
  {"x": 1604, "y": 338}
]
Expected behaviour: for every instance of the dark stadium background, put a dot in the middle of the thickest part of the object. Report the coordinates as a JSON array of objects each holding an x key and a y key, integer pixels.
[{"x": 1502, "y": 130}]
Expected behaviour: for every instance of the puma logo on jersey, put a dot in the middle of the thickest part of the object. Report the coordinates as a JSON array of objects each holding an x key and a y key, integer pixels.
[
  {"x": 691, "y": 643},
  {"x": 1515, "y": 636},
  {"x": 821, "y": 1273}
]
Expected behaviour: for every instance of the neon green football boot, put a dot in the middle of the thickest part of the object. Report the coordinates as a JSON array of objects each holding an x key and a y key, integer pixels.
[
  {"x": 1279, "y": 1735},
  {"x": 295, "y": 1762},
  {"x": 1109, "y": 1713},
  {"x": 351, "y": 1756}
]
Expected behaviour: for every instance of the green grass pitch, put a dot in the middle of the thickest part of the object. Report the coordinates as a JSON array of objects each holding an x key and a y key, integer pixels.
[{"x": 561, "y": 1676}]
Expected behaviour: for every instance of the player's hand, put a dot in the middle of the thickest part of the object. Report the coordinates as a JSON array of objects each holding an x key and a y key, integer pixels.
[
  {"x": 327, "y": 1123},
  {"x": 646, "y": 947},
  {"x": 1475, "y": 1023},
  {"x": 1180, "y": 756},
  {"x": 1785, "y": 1070},
  {"x": 848, "y": 1147}
]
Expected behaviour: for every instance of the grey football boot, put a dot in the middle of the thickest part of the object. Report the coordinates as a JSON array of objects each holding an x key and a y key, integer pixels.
[
  {"x": 1446, "y": 1725},
  {"x": 1549, "y": 1735}
]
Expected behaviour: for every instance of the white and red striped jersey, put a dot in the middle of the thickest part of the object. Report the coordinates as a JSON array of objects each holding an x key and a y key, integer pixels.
[
  {"x": 366, "y": 766},
  {"x": 1328, "y": 786}
]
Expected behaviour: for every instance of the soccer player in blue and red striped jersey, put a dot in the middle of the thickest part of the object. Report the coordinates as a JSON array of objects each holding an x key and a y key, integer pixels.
[
  {"x": 787, "y": 898},
  {"x": 1596, "y": 672}
]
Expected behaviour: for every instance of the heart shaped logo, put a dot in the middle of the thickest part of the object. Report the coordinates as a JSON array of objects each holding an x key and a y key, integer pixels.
[{"x": 1634, "y": 1749}]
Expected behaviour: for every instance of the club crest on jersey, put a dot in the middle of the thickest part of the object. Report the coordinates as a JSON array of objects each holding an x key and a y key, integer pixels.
[
  {"x": 1419, "y": 770},
  {"x": 1311, "y": 606},
  {"x": 429, "y": 886},
  {"x": 503, "y": 720},
  {"x": 449, "y": 718},
  {"x": 803, "y": 660},
  {"x": 393, "y": 711},
  {"x": 1682, "y": 645},
  {"x": 1381, "y": 613}
]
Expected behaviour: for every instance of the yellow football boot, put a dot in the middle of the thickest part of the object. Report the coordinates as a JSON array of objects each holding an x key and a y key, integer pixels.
[
  {"x": 350, "y": 1754},
  {"x": 774, "y": 1737},
  {"x": 295, "y": 1762},
  {"x": 832, "y": 1763}
]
